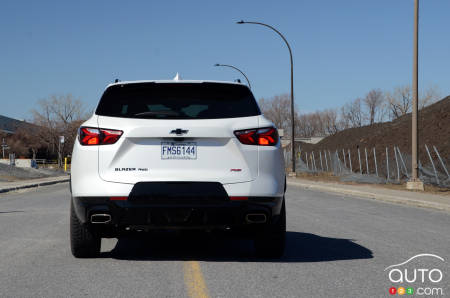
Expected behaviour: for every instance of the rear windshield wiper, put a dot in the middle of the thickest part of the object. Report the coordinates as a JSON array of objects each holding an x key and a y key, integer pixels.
[{"x": 162, "y": 112}]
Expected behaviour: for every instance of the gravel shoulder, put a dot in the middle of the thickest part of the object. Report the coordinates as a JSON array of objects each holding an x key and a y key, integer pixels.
[
  {"x": 12, "y": 173},
  {"x": 329, "y": 178},
  {"x": 20, "y": 185},
  {"x": 396, "y": 195}
]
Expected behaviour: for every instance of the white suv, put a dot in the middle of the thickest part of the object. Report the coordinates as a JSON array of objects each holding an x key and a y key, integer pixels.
[{"x": 177, "y": 155}]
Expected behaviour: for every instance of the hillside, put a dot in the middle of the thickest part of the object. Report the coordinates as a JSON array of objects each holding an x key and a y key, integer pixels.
[
  {"x": 434, "y": 129},
  {"x": 10, "y": 125}
]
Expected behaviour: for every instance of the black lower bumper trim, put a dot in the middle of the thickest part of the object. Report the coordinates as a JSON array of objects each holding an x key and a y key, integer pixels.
[
  {"x": 150, "y": 215},
  {"x": 178, "y": 192}
]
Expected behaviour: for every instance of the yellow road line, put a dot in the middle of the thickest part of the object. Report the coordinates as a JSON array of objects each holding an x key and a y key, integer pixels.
[{"x": 193, "y": 279}]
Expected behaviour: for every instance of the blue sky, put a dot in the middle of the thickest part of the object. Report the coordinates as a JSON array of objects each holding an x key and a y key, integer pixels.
[{"x": 342, "y": 49}]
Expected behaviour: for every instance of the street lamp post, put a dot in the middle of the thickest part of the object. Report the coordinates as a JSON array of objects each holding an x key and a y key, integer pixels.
[
  {"x": 234, "y": 67},
  {"x": 292, "y": 89},
  {"x": 415, "y": 183}
]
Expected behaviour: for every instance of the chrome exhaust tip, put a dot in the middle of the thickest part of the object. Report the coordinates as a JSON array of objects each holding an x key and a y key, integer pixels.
[
  {"x": 100, "y": 218},
  {"x": 256, "y": 218}
]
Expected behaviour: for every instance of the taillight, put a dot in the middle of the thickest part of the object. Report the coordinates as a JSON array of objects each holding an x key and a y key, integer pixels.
[
  {"x": 247, "y": 137},
  {"x": 98, "y": 136},
  {"x": 267, "y": 136},
  {"x": 110, "y": 136},
  {"x": 89, "y": 136}
]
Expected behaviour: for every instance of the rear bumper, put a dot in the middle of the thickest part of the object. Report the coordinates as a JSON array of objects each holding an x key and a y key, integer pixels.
[
  {"x": 128, "y": 215},
  {"x": 92, "y": 186},
  {"x": 177, "y": 205}
]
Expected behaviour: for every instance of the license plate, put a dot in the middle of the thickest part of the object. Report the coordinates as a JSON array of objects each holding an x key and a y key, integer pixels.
[{"x": 178, "y": 150}]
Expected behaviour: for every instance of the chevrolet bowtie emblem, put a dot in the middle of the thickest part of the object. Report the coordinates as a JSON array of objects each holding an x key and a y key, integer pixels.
[{"x": 179, "y": 131}]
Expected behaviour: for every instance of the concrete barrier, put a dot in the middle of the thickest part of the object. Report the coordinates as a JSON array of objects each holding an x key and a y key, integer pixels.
[{"x": 21, "y": 163}]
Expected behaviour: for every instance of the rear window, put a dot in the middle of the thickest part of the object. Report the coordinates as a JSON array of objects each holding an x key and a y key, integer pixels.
[{"x": 178, "y": 101}]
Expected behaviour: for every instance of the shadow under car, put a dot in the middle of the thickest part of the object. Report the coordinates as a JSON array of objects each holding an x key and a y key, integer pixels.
[{"x": 300, "y": 247}]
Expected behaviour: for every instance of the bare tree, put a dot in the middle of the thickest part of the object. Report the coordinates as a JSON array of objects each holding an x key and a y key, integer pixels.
[
  {"x": 27, "y": 140},
  {"x": 429, "y": 96},
  {"x": 319, "y": 123},
  {"x": 331, "y": 121},
  {"x": 352, "y": 113},
  {"x": 309, "y": 125},
  {"x": 373, "y": 102},
  {"x": 58, "y": 116},
  {"x": 400, "y": 100},
  {"x": 278, "y": 110},
  {"x": 304, "y": 126}
]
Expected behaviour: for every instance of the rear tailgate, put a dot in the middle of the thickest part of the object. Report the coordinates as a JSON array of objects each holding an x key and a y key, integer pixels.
[{"x": 216, "y": 153}]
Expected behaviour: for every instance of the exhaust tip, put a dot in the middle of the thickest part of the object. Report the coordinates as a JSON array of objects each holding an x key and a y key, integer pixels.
[
  {"x": 256, "y": 218},
  {"x": 100, "y": 218}
]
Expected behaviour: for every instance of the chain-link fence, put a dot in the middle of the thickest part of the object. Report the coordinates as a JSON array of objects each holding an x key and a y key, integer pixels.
[{"x": 369, "y": 166}]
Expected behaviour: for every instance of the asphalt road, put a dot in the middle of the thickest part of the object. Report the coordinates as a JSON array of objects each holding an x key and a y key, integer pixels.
[{"x": 336, "y": 247}]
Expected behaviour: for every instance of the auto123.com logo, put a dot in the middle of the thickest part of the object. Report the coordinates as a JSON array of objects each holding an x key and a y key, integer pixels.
[{"x": 414, "y": 277}]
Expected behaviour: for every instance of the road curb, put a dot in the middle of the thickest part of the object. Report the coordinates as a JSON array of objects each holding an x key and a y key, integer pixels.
[
  {"x": 34, "y": 184},
  {"x": 373, "y": 196}
]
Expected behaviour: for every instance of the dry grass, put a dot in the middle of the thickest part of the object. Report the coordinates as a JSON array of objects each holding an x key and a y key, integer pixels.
[{"x": 329, "y": 177}]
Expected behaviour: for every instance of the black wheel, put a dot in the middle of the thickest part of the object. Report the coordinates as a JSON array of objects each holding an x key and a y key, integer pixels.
[
  {"x": 271, "y": 242},
  {"x": 83, "y": 243}
]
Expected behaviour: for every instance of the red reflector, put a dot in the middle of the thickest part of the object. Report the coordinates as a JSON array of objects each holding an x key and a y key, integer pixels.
[
  {"x": 238, "y": 198},
  {"x": 118, "y": 198}
]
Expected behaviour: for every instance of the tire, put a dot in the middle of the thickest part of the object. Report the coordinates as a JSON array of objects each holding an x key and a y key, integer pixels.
[
  {"x": 83, "y": 243},
  {"x": 271, "y": 242}
]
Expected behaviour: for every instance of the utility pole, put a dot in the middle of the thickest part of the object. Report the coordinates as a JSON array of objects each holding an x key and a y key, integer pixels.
[{"x": 415, "y": 183}]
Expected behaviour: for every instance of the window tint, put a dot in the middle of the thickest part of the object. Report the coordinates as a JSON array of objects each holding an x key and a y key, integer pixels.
[{"x": 178, "y": 101}]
